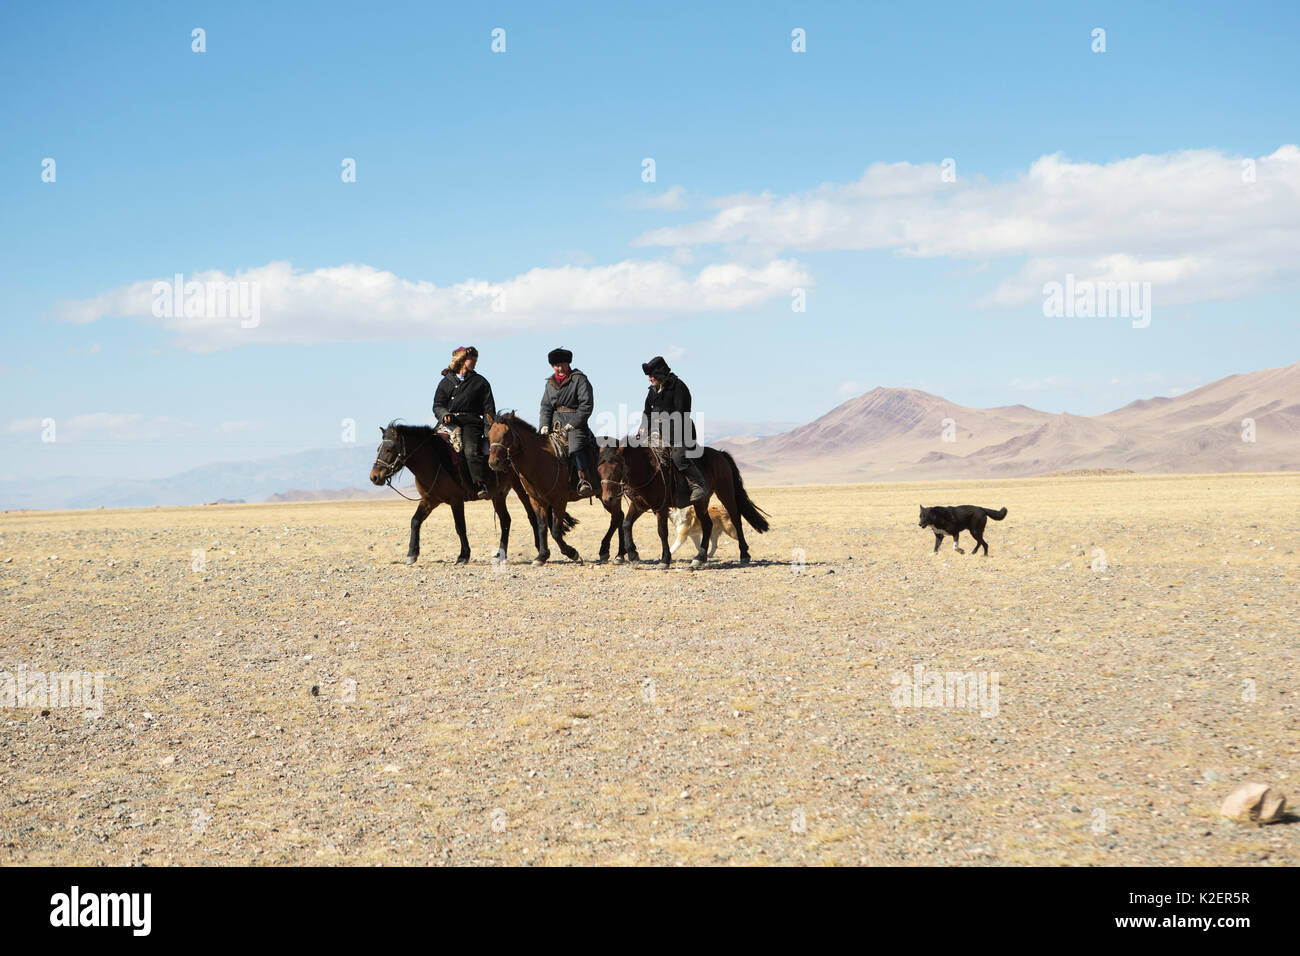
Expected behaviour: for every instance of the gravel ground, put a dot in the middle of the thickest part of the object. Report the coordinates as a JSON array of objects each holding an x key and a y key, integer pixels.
[{"x": 617, "y": 714}]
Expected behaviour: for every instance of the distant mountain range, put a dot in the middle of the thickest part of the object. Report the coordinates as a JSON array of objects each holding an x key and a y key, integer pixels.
[
  {"x": 1245, "y": 422},
  {"x": 888, "y": 434},
  {"x": 340, "y": 471}
]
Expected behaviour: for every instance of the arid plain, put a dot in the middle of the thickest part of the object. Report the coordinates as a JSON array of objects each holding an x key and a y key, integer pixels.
[{"x": 279, "y": 687}]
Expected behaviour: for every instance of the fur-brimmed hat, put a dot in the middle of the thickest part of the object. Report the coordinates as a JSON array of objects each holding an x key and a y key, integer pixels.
[
  {"x": 656, "y": 367},
  {"x": 458, "y": 355},
  {"x": 558, "y": 356}
]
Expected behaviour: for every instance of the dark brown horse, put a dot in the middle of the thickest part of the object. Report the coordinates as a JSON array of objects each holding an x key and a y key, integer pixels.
[
  {"x": 647, "y": 480},
  {"x": 428, "y": 457},
  {"x": 517, "y": 445}
]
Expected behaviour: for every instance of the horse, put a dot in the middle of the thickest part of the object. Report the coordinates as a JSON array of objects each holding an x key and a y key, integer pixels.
[
  {"x": 641, "y": 474},
  {"x": 428, "y": 457},
  {"x": 517, "y": 445}
]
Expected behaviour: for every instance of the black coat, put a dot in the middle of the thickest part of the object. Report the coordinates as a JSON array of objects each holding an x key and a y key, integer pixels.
[
  {"x": 574, "y": 393},
  {"x": 467, "y": 402},
  {"x": 667, "y": 413}
]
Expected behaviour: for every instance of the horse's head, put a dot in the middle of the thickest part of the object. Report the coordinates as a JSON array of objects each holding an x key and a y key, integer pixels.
[
  {"x": 391, "y": 456},
  {"x": 613, "y": 473},
  {"x": 502, "y": 441}
]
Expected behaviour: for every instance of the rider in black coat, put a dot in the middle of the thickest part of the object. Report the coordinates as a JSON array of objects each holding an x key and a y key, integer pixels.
[
  {"x": 462, "y": 399},
  {"x": 666, "y": 418}
]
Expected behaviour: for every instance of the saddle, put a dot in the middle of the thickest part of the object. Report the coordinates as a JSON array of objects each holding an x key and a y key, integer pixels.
[
  {"x": 455, "y": 439},
  {"x": 559, "y": 437}
]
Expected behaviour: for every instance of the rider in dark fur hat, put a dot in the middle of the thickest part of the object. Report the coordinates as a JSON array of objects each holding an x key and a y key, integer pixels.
[
  {"x": 567, "y": 403},
  {"x": 667, "y": 419}
]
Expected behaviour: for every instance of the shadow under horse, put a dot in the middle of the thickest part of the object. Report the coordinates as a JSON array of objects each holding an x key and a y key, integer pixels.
[
  {"x": 517, "y": 447},
  {"x": 429, "y": 458},
  {"x": 650, "y": 483}
]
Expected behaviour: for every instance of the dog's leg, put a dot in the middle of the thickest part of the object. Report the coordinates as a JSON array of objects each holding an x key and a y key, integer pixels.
[
  {"x": 938, "y": 540},
  {"x": 955, "y": 536},
  {"x": 682, "y": 534}
]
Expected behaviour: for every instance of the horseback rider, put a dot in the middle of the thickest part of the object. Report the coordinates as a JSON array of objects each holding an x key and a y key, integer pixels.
[
  {"x": 567, "y": 403},
  {"x": 666, "y": 419},
  {"x": 462, "y": 399}
]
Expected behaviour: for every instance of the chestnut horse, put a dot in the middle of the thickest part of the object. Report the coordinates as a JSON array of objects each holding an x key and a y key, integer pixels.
[
  {"x": 639, "y": 473},
  {"x": 427, "y": 456},
  {"x": 517, "y": 445}
]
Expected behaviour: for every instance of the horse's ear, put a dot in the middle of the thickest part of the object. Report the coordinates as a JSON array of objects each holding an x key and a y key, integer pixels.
[{"x": 489, "y": 418}]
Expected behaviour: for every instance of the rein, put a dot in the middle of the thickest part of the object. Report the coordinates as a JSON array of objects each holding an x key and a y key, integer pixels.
[{"x": 636, "y": 489}]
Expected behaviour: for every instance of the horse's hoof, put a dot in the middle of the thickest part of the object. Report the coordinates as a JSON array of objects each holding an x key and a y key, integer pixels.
[
  {"x": 603, "y": 559},
  {"x": 744, "y": 559},
  {"x": 538, "y": 562},
  {"x": 619, "y": 560},
  {"x": 460, "y": 561},
  {"x": 410, "y": 558},
  {"x": 696, "y": 564}
]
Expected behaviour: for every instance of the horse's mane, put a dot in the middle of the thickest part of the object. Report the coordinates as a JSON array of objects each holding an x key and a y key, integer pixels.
[
  {"x": 421, "y": 435},
  {"x": 514, "y": 420}
]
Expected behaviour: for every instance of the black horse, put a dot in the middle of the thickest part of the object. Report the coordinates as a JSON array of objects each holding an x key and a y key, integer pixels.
[{"x": 427, "y": 455}]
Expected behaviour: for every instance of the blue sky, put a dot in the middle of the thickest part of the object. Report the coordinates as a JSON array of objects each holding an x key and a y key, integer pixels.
[{"x": 522, "y": 171}]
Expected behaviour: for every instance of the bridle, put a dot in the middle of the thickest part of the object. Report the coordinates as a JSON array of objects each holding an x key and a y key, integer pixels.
[
  {"x": 400, "y": 459},
  {"x": 561, "y": 470},
  {"x": 622, "y": 485}
]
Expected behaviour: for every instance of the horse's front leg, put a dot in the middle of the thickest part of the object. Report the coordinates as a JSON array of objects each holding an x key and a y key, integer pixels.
[
  {"x": 617, "y": 517},
  {"x": 706, "y": 534},
  {"x": 421, "y": 512},
  {"x": 615, "y": 524},
  {"x": 503, "y": 514},
  {"x": 458, "y": 512},
  {"x": 634, "y": 511},
  {"x": 543, "y": 549},
  {"x": 530, "y": 511},
  {"x": 667, "y": 557}
]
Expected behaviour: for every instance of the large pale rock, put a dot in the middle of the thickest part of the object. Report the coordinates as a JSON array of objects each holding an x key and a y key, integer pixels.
[{"x": 1254, "y": 803}]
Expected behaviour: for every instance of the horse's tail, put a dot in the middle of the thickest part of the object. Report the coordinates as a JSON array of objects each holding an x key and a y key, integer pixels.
[
  {"x": 568, "y": 522},
  {"x": 751, "y": 512}
]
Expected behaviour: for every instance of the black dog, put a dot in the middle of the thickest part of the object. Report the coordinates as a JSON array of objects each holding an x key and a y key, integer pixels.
[{"x": 955, "y": 520}]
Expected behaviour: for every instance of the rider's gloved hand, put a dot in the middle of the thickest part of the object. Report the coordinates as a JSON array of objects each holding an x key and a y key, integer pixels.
[{"x": 545, "y": 430}]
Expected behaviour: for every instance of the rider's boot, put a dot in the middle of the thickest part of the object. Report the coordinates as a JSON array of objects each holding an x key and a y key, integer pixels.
[{"x": 695, "y": 480}]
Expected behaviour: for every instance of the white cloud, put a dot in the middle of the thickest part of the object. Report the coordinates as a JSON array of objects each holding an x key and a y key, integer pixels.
[
  {"x": 354, "y": 303},
  {"x": 1187, "y": 222},
  {"x": 671, "y": 199},
  {"x": 227, "y": 428},
  {"x": 850, "y": 389}
]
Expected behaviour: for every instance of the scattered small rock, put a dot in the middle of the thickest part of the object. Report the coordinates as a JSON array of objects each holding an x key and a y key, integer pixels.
[{"x": 1254, "y": 803}]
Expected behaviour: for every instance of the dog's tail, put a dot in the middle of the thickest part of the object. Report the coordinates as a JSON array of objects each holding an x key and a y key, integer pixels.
[
  {"x": 995, "y": 515},
  {"x": 751, "y": 512}
]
